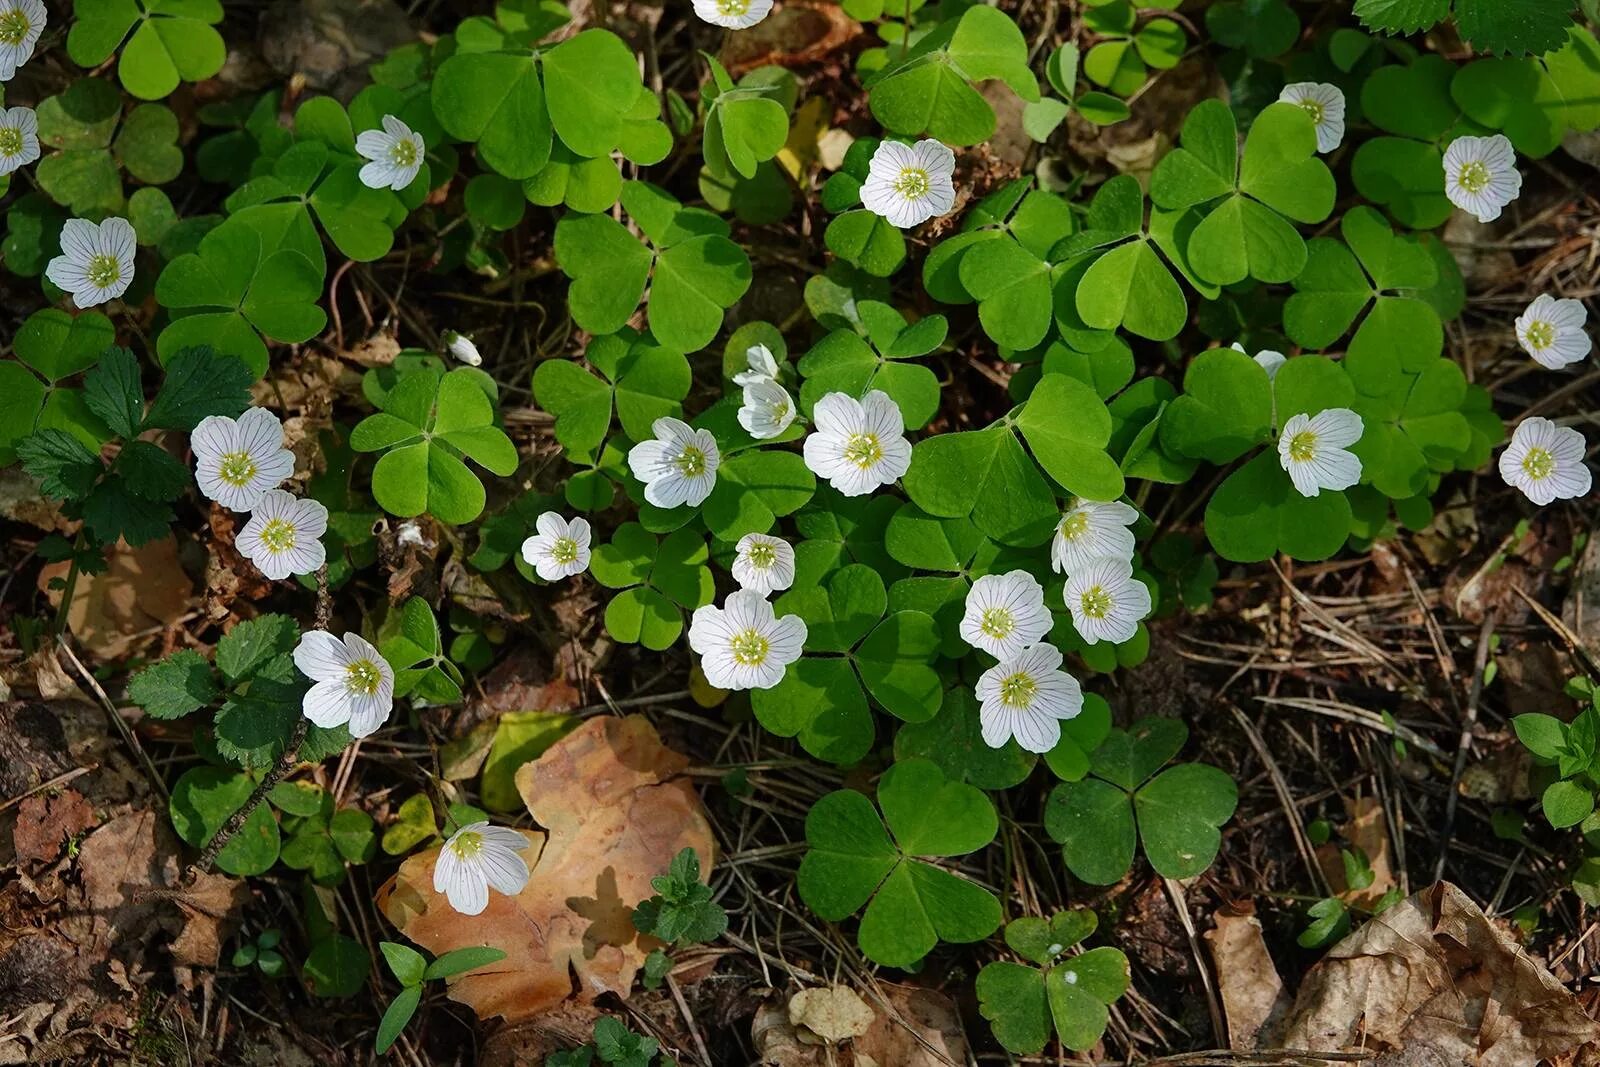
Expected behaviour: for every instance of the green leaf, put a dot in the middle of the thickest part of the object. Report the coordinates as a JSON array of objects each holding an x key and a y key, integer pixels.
[
  {"x": 952, "y": 739},
  {"x": 591, "y": 83},
  {"x": 1543, "y": 735},
  {"x": 1080, "y": 989},
  {"x": 59, "y": 462},
  {"x": 1067, "y": 426},
  {"x": 251, "y": 644},
  {"x": 204, "y": 798},
  {"x": 1012, "y": 998},
  {"x": 1224, "y": 411},
  {"x": 1179, "y": 812},
  {"x": 396, "y": 1016},
  {"x": 1401, "y": 16},
  {"x": 496, "y": 100},
  {"x": 819, "y": 701},
  {"x": 462, "y": 960},
  {"x": 59, "y": 345},
  {"x": 1012, "y": 287},
  {"x": 1525, "y": 26},
  {"x": 175, "y": 43},
  {"x": 1257, "y": 512},
  {"x": 175, "y": 686},
  {"x": 112, "y": 391},
  {"x": 1093, "y": 822},
  {"x": 986, "y": 475},
  {"x": 336, "y": 967}
]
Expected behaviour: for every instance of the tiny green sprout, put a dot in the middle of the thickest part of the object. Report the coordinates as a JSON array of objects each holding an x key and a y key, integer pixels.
[
  {"x": 411, "y": 969},
  {"x": 1330, "y": 921},
  {"x": 262, "y": 953},
  {"x": 681, "y": 912}
]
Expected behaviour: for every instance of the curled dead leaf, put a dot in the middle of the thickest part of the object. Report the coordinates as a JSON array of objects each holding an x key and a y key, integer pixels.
[
  {"x": 45, "y": 823},
  {"x": 616, "y": 811},
  {"x": 1247, "y": 981},
  {"x": 829, "y": 1015},
  {"x": 916, "y": 1028}
]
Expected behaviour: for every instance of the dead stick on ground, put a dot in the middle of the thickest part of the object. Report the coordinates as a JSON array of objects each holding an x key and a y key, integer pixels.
[
  {"x": 1468, "y": 721},
  {"x": 128, "y": 736},
  {"x": 285, "y": 764}
]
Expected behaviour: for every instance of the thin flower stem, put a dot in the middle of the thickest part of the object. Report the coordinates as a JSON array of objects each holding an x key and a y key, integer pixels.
[{"x": 68, "y": 588}]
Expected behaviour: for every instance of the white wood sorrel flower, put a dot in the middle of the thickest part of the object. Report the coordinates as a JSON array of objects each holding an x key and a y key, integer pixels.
[
  {"x": 767, "y": 411},
  {"x": 1481, "y": 176},
  {"x": 283, "y": 536},
  {"x": 910, "y": 184},
  {"x": 1551, "y": 331},
  {"x": 560, "y": 549},
  {"x": 462, "y": 348},
  {"x": 477, "y": 857},
  {"x": 763, "y": 366},
  {"x": 1266, "y": 359},
  {"x": 1325, "y": 104},
  {"x": 353, "y": 683},
  {"x": 21, "y": 23},
  {"x": 237, "y": 460},
  {"x": 1314, "y": 450},
  {"x": 1026, "y": 697},
  {"x": 1106, "y": 601},
  {"x": 743, "y": 644},
  {"x": 1005, "y": 613},
  {"x": 678, "y": 467},
  {"x": 733, "y": 14},
  {"x": 1091, "y": 530},
  {"x": 763, "y": 563},
  {"x": 396, "y": 153},
  {"x": 96, "y": 261},
  {"x": 19, "y": 138},
  {"x": 857, "y": 445},
  {"x": 1545, "y": 461}
]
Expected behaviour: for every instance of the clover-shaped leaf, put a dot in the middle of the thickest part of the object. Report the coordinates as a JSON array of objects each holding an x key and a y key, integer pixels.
[
  {"x": 204, "y": 798},
  {"x": 1175, "y": 813},
  {"x": 1022, "y": 1003},
  {"x": 1256, "y": 513},
  {"x": 844, "y": 362},
  {"x": 167, "y": 41},
  {"x": 745, "y": 124},
  {"x": 1120, "y": 59},
  {"x": 984, "y": 474},
  {"x": 658, "y": 578},
  {"x": 1418, "y": 426},
  {"x": 755, "y": 488},
  {"x": 911, "y": 905},
  {"x": 1067, "y": 426},
  {"x": 1112, "y": 275},
  {"x": 430, "y": 424},
  {"x": 1224, "y": 411},
  {"x": 411, "y": 642},
  {"x": 644, "y": 381}
]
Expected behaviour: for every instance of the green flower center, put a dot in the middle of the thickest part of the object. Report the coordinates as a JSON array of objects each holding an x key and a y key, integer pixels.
[
  {"x": 1538, "y": 464},
  {"x": 1303, "y": 446},
  {"x": 1074, "y": 526},
  {"x": 1473, "y": 177},
  {"x": 404, "y": 153},
  {"x": 467, "y": 846},
  {"x": 565, "y": 550},
  {"x": 278, "y": 535},
  {"x": 863, "y": 449},
  {"x": 762, "y": 555},
  {"x": 104, "y": 271},
  {"x": 10, "y": 141},
  {"x": 1315, "y": 109},
  {"x": 733, "y": 7},
  {"x": 1541, "y": 335},
  {"x": 363, "y": 677},
  {"x": 237, "y": 468},
  {"x": 998, "y": 623},
  {"x": 777, "y": 409},
  {"x": 691, "y": 462},
  {"x": 913, "y": 183},
  {"x": 1096, "y": 602},
  {"x": 749, "y": 648},
  {"x": 1018, "y": 690},
  {"x": 14, "y": 26}
]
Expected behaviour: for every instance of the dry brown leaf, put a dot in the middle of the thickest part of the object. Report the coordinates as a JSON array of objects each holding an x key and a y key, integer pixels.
[
  {"x": 793, "y": 35},
  {"x": 1366, "y": 829},
  {"x": 143, "y": 590},
  {"x": 210, "y": 905},
  {"x": 1581, "y": 612},
  {"x": 616, "y": 811},
  {"x": 45, "y": 824},
  {"x": 1433, "y": 976},
  {"x": 917, "y": 1028},
  {"x": 829, "y": 1015},
  {"x": 1252, "y": 993}
]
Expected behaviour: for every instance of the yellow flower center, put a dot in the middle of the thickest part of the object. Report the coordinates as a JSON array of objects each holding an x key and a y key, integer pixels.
[
  {"x": 732, "y": 7},
  {"x": 1541, "y": 335},
  {"x": 749, "y": 648},
  {"x": 777, "y": 409},
  {"x": 1096, "y": 602},
  {"x": 1018, "y": 690},
  {"x": 104, "y": 271},
  {"x": 762, "y": 555},
  {"x": 863, "y": 449},
  {"x": 467, "y": 846},
  {"x": 1313, "y": 108},
  {"x": 10, "y": 141},
  {"x": 363, "y": 677},
  {"x": 237, "y": 468},
  {"x": 565, "y": 550},
  {"x": 14, "y": 27},
  {"x": 1538, "y": 464},
  {"x": 997, "y": 623},
  {"x": 1473, "y": 177},
  {"x": 691, "y": 462},
  {"x": 1303, "y": 446},
  {"x": 278, "y": 535},
  {"x": 913, "y": 183},
  {"x": 404, "y": 153},
  {"x": 1074, "y": 526}
]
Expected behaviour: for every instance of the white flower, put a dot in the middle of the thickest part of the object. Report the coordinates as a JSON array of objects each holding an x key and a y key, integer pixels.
[
  {"x": 236, "y": 460},
  {"x": 462, "y": 348},
  {"x": 1313, "y": 449},
  {"x": 560, "y": 549},
  {"x": 1107, "y": 601},
  {"x": 1551, "y": 331},
  {"x": 767, "y": 411},
  {"x": 742, "y": 644},
  {"x": 733, "y": 14},
  {"x": 396, "y": 152},
  {"x": 857, "y": 445},
  {"x": 763, "y": 366},
  {"x": 1545, "y": 461},
  {"x": 21, "y": 23},
  {"x": 908, "y": 185},
  {"x": 1325, "y": 104},
  {"x": 96, "y": 262},
  {"x": 1091, "y": 530},
  {"x": 1005, "y": 614},
  {"x": 1480, "y": 175},
  {"x": 354, "y": 684},
  {"x": 763, "y": 563},
  {"x": 476, "y": 857},
  {"x": 1266, "y": 359},
  {"x": 282, "y": 536},
  {"x": 678, "y": 467},
  {"x": 1026, "y": 697},
  {"x": 19, "y": 138}
]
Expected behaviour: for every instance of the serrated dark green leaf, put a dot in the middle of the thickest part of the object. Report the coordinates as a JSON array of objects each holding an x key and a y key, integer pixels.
[
  {"x": 200, "y": 381},
  {"x": 64, "y": 468},
  {"x": 111, "y": 390},
  {"x": 112, "y": 510},
  {"x": 249, "y": 646},
  {"x": 151, "y": 472},
  {"x": 175, "y": 686}
]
